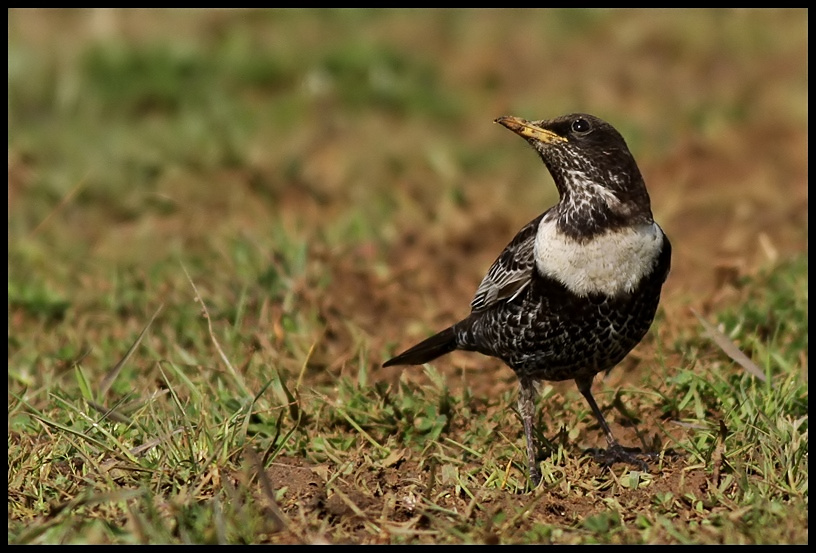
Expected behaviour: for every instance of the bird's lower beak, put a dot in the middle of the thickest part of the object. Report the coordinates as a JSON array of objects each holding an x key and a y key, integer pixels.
[{"x": 527, "y": 129}]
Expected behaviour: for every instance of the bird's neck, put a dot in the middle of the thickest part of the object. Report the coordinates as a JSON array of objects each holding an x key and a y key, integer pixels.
[{"x": 593, "y": 205}]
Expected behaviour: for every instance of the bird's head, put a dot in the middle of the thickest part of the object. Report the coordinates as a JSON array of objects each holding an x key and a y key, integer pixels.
[{"x": 596, "y": 176}]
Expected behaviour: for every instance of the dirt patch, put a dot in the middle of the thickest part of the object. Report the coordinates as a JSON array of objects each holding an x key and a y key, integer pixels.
[{"x": 403, "y": 498}]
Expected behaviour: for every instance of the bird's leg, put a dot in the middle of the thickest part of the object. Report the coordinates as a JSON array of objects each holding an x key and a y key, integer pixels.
[
  {"x": 526, "y": 407},
  {"x": 616, "y": 452}
]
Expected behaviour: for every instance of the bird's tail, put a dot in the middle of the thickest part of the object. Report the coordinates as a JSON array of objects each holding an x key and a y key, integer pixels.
[{"x": 429, "y": 349}]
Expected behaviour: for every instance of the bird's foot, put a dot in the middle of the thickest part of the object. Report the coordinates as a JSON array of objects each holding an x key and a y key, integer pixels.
[
  {"x": 629, "y": 455},
  {"x": 535, "y": 477}
]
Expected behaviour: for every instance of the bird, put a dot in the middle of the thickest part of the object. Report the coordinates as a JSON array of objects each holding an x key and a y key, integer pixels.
[{"x": 578, "y": 287}]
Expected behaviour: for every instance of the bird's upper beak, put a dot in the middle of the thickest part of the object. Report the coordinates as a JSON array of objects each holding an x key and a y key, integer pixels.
[{"x": 528, "y": 129}]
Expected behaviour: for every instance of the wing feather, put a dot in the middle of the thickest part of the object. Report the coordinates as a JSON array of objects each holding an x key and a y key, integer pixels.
[{"x": 512, "y": 270}]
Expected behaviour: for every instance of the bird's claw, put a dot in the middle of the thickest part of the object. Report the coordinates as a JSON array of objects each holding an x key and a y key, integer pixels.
[
  {"x": 535, "y": 478},
  {"x": 619, "y": 454}
]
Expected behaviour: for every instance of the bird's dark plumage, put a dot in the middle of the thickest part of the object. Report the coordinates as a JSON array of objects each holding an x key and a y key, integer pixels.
[{"x": 578, "y": 287}]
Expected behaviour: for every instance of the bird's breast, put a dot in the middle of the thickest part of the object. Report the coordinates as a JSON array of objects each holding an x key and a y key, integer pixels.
[{"x": 612, "y": 263}]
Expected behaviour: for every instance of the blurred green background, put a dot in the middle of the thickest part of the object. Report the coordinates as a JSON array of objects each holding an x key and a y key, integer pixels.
[{"x": 224, "y": 138}]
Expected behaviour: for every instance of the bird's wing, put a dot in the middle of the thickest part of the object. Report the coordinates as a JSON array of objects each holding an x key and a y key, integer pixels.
[{"x": 512, "y": 270}]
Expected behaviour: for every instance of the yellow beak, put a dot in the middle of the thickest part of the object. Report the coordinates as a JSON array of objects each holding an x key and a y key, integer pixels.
[{"x": 525, "y": 128}]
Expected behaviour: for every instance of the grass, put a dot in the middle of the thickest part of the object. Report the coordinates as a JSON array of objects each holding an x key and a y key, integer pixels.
[{"x": 222, "y": 222}]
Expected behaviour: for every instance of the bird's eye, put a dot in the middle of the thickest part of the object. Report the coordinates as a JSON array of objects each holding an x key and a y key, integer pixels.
[{"x": 580, "y": 126}]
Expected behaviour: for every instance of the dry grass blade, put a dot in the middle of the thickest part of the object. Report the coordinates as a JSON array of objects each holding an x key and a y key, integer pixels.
[
  {"x": 111, "y": 413},
  {"x": 138, "y": 450},
  {"x": 62, "y": 203},
  {"x": 235, "y": 375},
  {"x": 110, "y": 378},
  {"x": 729, "y": 348},
  {"x": 718, "y": 456},
  {"x": 279, "y": 518}
]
